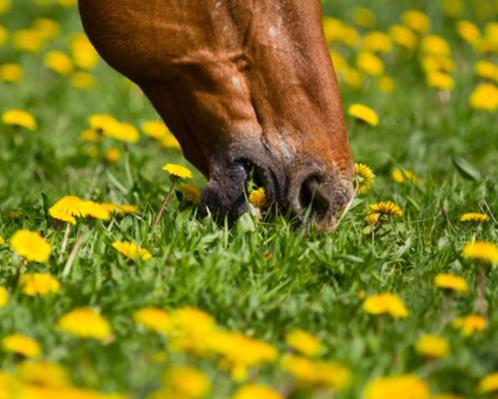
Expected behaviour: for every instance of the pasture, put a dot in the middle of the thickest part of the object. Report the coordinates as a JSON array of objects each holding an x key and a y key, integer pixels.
[{"x": 263, "y": 310}]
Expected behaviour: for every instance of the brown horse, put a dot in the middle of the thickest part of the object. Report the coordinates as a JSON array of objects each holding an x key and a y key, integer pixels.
[{"x": 243, "y": 85}]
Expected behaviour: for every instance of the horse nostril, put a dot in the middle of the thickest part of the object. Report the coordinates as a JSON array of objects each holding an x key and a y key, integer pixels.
[{"x": 312, "y": 200}]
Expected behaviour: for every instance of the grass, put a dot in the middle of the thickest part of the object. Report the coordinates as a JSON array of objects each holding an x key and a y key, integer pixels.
[{"x": 313, "y": 282}]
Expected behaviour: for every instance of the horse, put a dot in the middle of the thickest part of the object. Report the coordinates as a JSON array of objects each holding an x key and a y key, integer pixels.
[{"x": 248, "y": 89}]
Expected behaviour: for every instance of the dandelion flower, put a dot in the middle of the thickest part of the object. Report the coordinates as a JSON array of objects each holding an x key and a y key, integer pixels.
[
  {"x": 435, "y": 45},
  {"x": 376, "y": 42},
  {"x": 29, "y": 40},
  {"x": 83, "y": 80},
  {"x": 365, "y": 177},
  {"x": 468, "y": 31},
  {"x": 440, "y": 80},
  {"x": 155, "y": 129},
  {"x": 451, "y": 282},
  {"x": 403, "y": 36},
  {"x": 405, "y": 386},
  {"x": 58, "y": 62},
  {"x": 43, "y": 374},
  {"x": 416, "y": 20},
  {"x": 85, "y": 323},
  {"x": 470, "y": 325},
  {"x": 239, "y": 353},
  {"x": 385, "y": 304},
  {"x": 369, "y": 63},
  {"x": 483, "y": 251},
  {"x": 84, "y": 54},
  {"x": 483, "y": 69},
  {"x": 186, "y": 382},
  {"x": 191, "y": 193},
  {"x": 169, "y": 141},
  {"x": 178, "y": 171},
  {"x": 432, "y": 346},
  {"x": 192, "y": 330},
  {"x": 102, "y": 122},
  {"x": 154, "y": 319},
  {"x": 18, "y": 117},
  {"x": 10, "y": 73},
  {"x": 438, "y": 63},
  {"x": 112, "y": 155},
  {"x": 303, "y": 342},
  {"x": 489, "y": 383},
  {"x": 4, "y": 296},
  {"x": 364, "y": 114},
  {"x": 403, "y": 175},
  {"x": 452, "y": 8},
  {"x": 31, "y": 246},
  {"x": 21, "y": 345},
  {"x": 386, "y": 208},
  {"x": 39, "y": 284},
  {"x": 252, "y": 391},
  {"x": 363, "y": 17},
  {"x": 474, "y": 217},
  {"x": 70, "y": 207},
  {"x": 4, "y": 6},
  {"x": 131, "y": 250},
  {"x": 47, "y": 28},
  {"x": 317, "y": 373},
  {"x": 258, "y": 197},
  {"x": 125, "y": 132},
  {"x": 386, "y": 84},
  {"x": 485, "y": 97}
]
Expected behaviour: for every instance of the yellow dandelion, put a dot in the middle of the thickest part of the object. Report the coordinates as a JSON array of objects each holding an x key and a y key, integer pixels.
[
  {"x": 365, "y": 177},
  {"x": 376, "y": 42},
  {"x": 485, "y": 97},
  {"x": 186, "y": 382},
  {"x": 169, "y": 141},
  {"x": 85, "y": 323},
  {"x": 102, "y": 122},
  {"x": 58, "y": 62},
  {"x": 416, "y": 20},
  {"x": 125, "y": 132},
  {"x": 369, "y": 63},
  {"x": 483, "y": 251},
  {"x": 353, "y": 78},
  {"x": 70, "y": 207},
  {"x": 253, "y": 391},
  {"x": 112, "y": 155},
  {"x": 4, "y": 6},
  {"x": 387, "y": 208},
  {"x": 469, "y": 32},
  {"x": 483, "y": 69},
  {"x": 154, "y": 319},
  {"x": 364, "y": 114},
  {"x": 125, "y": 209},
  {"x": 4, "y": 296},
  {"x": 470, "y": 325},
  {"x": 10, "y": 73},
  {"x": 84, "y": 54},
  {"x": 30, "y": 40},
  {"x": 47, "y": 28},
  {"x": 489, "y": 383},
  {"x": 19, "y": 117},
  {"x": 31, "y": 246},
  {"x": 373, "y": 218},
  {"x": 438, "y": 63},
  {"x": 258, "y": 197},
  {"x": 83, "y": 80},
  {"x": 363, "y": 17},
  {"x": 317, "y": 373},
  {"x": 178, "y": 171},
  {"x": 435, "y": 45},
  {"x": 90, "y": 136},
  {"x": 403, "y": 37},
  {"x": 39, "y": 284},
  {"x": 239, "y": 353},
  {"x": 385, "y": 304},
  {"x": 405, "y": 386},
  {"x": 303, "y": 342},
  {"x": 474, "y": 217},
  {"x": 21, "y": 345},
  {"x": 440, "y": 80},
  {"x": 131, "y": 250},
  {"x": 403, "y": 175},
  {"x": 451, "y": 282},
  {"x": 432, "y": 346},
  {"x": 155, "y": 129},
  {"x": 43, "y": 374}
]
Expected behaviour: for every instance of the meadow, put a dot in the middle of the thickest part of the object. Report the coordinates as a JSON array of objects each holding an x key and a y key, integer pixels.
[{"x": 398, "y": 302}]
